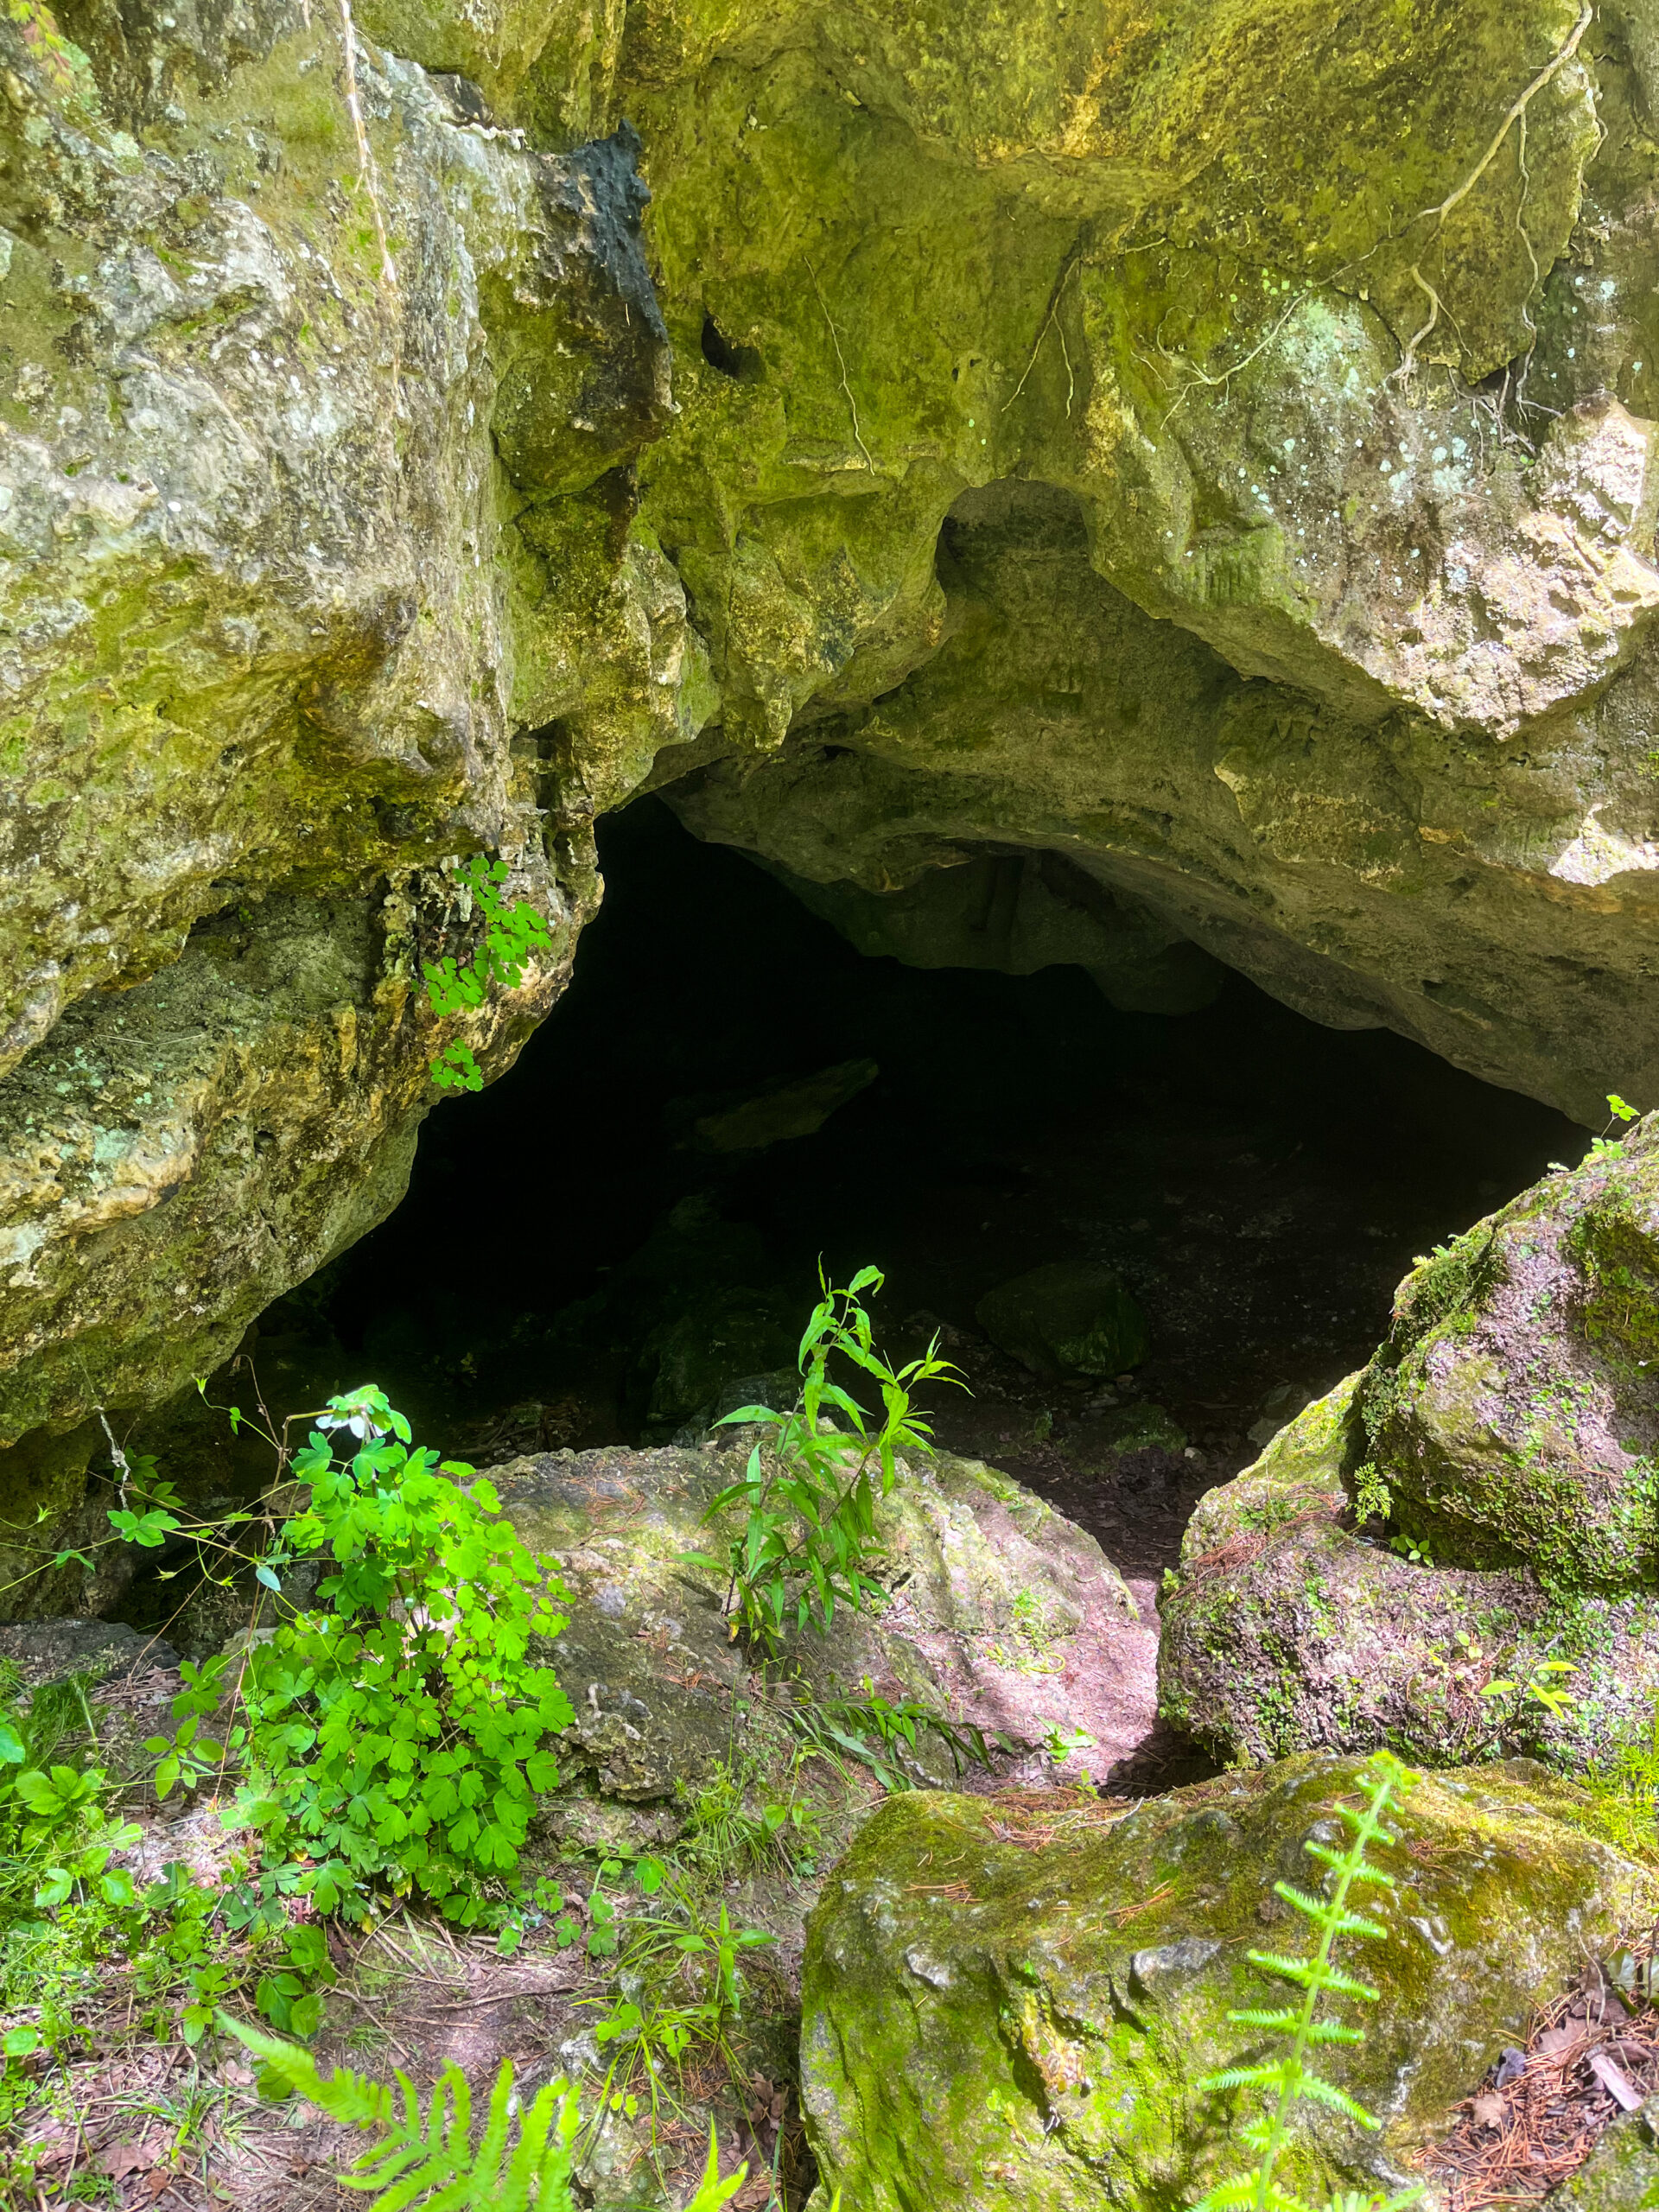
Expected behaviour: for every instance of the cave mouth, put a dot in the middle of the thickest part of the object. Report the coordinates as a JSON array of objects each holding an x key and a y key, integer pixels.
[{"x": 585, "y": 1251}]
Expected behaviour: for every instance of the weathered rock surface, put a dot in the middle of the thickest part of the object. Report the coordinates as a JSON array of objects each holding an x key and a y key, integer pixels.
[
  {"x": 1003, "y": 2011},
  {"x": 984, "y": 1574},
  {"x": 48, "y": 1652},
  {"x": 1195, "y": 479},
  {"x": 258, "y": 482},
  {"x": 1622, "y": 2173},
  {"x": 1511, "y": 1422},
  {"x": 1278, "y": 634}
]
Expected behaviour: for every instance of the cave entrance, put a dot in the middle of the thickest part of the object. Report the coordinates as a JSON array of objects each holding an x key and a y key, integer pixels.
[{"x": 630, "y": 1221}]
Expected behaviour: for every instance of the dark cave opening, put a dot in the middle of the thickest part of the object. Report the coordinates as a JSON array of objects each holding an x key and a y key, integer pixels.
[{"x": 578, "y": 1262}]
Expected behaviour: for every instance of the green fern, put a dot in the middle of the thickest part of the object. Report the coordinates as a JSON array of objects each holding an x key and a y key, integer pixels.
[
  {"x": 429, "y": 2159},
  {"x": 1289, "y": 2080}
]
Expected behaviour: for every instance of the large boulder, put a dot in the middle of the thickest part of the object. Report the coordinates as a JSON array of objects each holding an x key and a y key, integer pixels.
[
  {"x": 309, "y": 378},
  {"x": 1162, "y": 532},
  {"x": 1474, "y": 1507},
  {"x": 974, "y": 1562},
  {"x": 1014, "y": 2002}
]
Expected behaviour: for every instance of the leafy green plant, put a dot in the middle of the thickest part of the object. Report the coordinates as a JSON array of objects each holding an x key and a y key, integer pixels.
[
  {"x": 57, "y": 1836},
  {"x": 730, "y": 1830},
  {"x": 808, "y": 1491},
  {"x": 511, "y": 936},
  {"x": 1035, "y": 1638},
  {"x": 679, "y": 1987},
  {"x": 1289, "y": 2080},
  {"x": 398, "y": 1729},
  {"x": 430, "y": 2157},
  {"x": 1606, "y": 1144},
  {"x": 1061, "y": 1742},
  {"x": 1373, "y": 1499},
  {"x": 1626, "y": 1791},
  {"x": 1540, "y": 1687},
  {"x": 871, "y": 1729}
]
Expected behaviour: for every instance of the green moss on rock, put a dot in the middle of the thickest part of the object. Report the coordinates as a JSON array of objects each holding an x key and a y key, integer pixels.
[{"x": 998, "y": 2013}]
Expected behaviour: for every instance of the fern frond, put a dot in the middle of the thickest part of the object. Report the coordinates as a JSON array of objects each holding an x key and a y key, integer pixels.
[
  {"x": 1320, "y": 2092},
  {"x": 712, "y": 2191},
  {"x": 427, "y": 2159},
  {"x": 1243, "y": 2077},
  {"x": 1356, "y": 1923},
  {"x": 1237, "y": 2188},
  {"x": 1276, "y": 1962},
  {"x": 1316, "y": 1977},
  {"x": 349, "y": 2098},
  {"x": 1345, "y": 1985}
]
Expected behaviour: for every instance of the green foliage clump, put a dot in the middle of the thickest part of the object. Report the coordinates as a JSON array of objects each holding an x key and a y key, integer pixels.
[
  {"x": 1289, "y": 2080},
  {"x": 57, "y": 1838},
  {"x": 397, "y": 1729},
  {"x": 522, "y": 2162},
  {"x": 809, "y": 1492},
  {"x": 511, "y": 935},
  {"x": 1626, "y": 1794},
  {"x": 877, "y": 1733},
  {"x": 731, "y": 1828},
  {"x": 679, "y": 1988},
  {"x": 1607, "y": 1145}
]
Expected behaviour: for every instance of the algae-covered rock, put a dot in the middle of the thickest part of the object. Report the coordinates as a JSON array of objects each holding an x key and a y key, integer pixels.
[
  {"x": 1476, "y": 1506},
  {"x": 1515, "y": 1404},
  {"x": 1003, "y": 2011},
  {"x": 1287, "y": 1628},
  {"x": 1622, "y": 2173},
  {"x": 1036, "y": 519},
  {"x": 264, "y": 422},
  {"x": 1072, "y": 1317}
]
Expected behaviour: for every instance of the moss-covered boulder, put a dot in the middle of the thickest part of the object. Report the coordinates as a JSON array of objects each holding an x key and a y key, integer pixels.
[
  {"x": 1622, "y": 2173},
  {"x": 283, "y": 398},
  {"x": 1005, "y": 2007},
  {"x": 1291, "y": 1625},
  {"x": 1476, "y": 1506},
  {"x": 1514, "y": 1407}
]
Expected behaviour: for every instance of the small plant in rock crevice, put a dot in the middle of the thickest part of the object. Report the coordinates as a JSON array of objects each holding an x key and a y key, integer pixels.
[
  {"x": 1289, "y": 2080},
  {"x": 1607, "y": 1145},
  {"x": 512, "y": 934},
  {"x": 883, "y": 1735},
  {"x": 809, "y": 1492}
]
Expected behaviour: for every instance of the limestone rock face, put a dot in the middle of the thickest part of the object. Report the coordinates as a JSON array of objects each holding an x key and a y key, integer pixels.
[
  {"x": 1477, "y": 1502},
  {"x": 1103, "y": 474},
  {"x": 1002, "y": 2011},
  {"x": 1145, "y": 494},
  {"x": 287, "y": 425}
]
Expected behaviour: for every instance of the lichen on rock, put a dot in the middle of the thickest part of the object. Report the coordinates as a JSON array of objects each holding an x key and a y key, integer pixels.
[
  {"x": 1508, "y": 1425},
  {"x": 999, "y": 2010}
]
